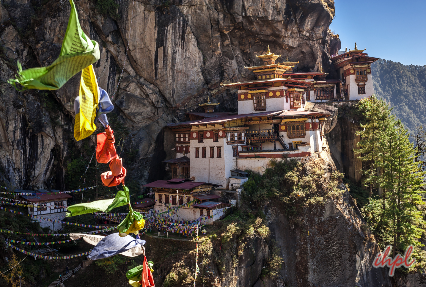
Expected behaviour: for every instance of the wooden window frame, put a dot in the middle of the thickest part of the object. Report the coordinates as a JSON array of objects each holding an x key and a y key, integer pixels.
[
  {"x": 259, "y": 101},
  {"x": 166, "y": 199},
  {"x": 296, "y": 130},
  {"x": 361, "y": 90},
  {"x": 212, "y": 152},
  {"x": 180, "y": 200},
  {"x": 204, "y": 152},
  {"x": 160, "y": 198},
  {"x": 219, "y": 152},
  {"x": 201, "y": 137},
  {"x": 197, "y": 152},
  {"x": 173, "y": 199},
  {"x": 215, "y": 136}
]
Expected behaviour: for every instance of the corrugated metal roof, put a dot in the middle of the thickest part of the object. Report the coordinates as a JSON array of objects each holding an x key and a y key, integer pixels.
[
  {"x": 46, "y": 197},
  {"x": 233, "y": 117},
  {"x": 206, "y": 196},
  {"x": 300, "y": 113},
  {"x": 187, "y": 185},
  {"x": 207, "y": 204},
  {"x": 147, "y": 202},
  {"x": 178, "y": 160}
]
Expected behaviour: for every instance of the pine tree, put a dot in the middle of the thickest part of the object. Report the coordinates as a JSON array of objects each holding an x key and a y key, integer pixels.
[
  {"x": 376, "y": 119},
  {"x": 395, "y": 216}
]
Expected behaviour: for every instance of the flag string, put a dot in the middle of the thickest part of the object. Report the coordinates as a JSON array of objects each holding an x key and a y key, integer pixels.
[
  {"x": 47, "y": 257},
  {"x": 38, "y": 193},
  {"x": 55, "y": 234},
  {"x": 51, "y": 220}
]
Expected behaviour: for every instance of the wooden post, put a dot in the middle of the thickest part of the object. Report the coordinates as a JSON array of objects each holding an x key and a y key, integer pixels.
[{"x": 196, "y": 256}]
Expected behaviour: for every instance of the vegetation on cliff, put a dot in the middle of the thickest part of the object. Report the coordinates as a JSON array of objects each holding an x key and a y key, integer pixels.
[{"x": 394, "y": 178}]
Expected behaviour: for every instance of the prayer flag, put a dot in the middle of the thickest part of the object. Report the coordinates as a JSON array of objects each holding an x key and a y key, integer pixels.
[{"x": 77, "y": 52}]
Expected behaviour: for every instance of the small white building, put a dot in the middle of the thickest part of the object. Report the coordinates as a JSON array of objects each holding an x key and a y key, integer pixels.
[
  {"x": 177, "y": 192},
  {"x": 48, "y": 205},
  {"x": 354, "y": 70}
]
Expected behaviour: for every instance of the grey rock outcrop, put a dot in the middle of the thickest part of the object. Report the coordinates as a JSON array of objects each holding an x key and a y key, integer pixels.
[{"x": 159, "y": 59}]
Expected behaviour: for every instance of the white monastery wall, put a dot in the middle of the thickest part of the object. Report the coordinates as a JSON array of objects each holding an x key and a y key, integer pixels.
[
  {"x": 230, "y": 162},
  {"x": 369, "y": 86},
  {"x": 353, "y": 88},
  {"x": 208, "y": 169},
  {"x": 255, "y": 164},
  {"x": 275, "y": 104},
  {"x": 54, "y": 226},
  {"x": 245, "y": 107}
]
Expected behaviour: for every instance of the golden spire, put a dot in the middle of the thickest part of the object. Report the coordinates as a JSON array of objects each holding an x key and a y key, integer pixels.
[
  {"x": 269, "y": 57},
  {"x": 356, "y": 47},
  {"x": 346, "y": 50}
]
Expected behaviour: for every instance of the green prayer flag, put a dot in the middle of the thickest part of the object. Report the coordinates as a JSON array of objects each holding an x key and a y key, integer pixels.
[
  {"x": 128, "y": 224},
  {"x": 77, "y": 52},
  {"x": 135, "y": 273},
  {"x": 89, "y": 207},
  {"x": 106, "y": 205},
  {"x": 121, "y": 198}
]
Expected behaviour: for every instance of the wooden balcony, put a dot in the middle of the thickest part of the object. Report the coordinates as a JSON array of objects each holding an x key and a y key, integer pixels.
[{"x": 260, "y": 136}]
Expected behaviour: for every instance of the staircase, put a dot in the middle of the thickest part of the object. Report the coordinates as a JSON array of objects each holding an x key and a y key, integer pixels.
[{"x": 280, "y": 139}]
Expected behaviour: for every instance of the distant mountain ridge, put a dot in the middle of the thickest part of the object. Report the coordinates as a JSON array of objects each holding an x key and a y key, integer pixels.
[{"x": 404, "y": 87}]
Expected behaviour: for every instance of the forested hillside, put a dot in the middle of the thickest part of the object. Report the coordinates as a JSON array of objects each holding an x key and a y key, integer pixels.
[{"x": 404, "y": 87}]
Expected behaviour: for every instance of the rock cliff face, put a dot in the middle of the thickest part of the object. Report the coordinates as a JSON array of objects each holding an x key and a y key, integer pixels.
[{"x": 159, "y": 59}]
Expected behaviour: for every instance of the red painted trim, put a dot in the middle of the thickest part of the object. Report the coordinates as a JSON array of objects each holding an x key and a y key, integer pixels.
[
  {"x": 280, "y": 155},
  {"x": 210, "y": 134},
  {"x": 191, "y": 135}
]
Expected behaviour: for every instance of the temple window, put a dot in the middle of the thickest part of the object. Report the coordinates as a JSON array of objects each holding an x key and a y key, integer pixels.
[
  {"x": 180, "y": 200},
  {"x": 173, "y": 199},
  {"x": 259, "y": 102},
  {"x": 296, "y": 130},
  {"x": 361, "y": 90},
  {"x": 295, "y": 100},
  {"x": 216, "y": 137},
  {"x": 211, "y": 152},
  {"x": 166, "y": 199},
  {"x": 219, "y": 152},
  {"x": 239, "y": 137},
  {"x": 324, "y": 94},
  {"x": 160, "y": 198},
  {"x": 200, "y": 137},
  {"x": 197, "y": 152},
  {"x": 204, "y": 152}
]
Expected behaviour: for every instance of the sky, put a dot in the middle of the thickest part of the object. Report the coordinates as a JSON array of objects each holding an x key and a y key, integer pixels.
[{"x": 389, "y": 29}]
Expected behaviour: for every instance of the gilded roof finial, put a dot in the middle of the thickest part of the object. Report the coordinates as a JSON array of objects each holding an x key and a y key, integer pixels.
[
  {"x": 321, "y": 68},
  {"x": 286, "y": 59},
  {"x": 208, "y": 99},
  {"x": 269, "y": 51},
  {"x": 356, "y": 47},
  {"x": 346, "y": 49}
]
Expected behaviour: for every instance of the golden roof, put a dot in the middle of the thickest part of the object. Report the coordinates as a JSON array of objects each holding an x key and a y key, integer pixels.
[
  {"x": 269, "y": 56},
  {"x": 208, "y": 103},
  {"x": 356, "y": 49}
]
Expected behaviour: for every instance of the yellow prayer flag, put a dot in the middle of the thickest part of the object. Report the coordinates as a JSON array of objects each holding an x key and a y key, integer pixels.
[{"x": 85, "y": 120}]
